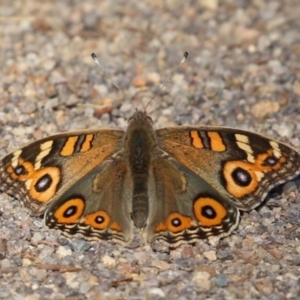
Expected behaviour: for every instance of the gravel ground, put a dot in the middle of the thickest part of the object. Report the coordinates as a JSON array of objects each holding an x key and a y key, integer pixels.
[{"x": 243, "y": 71}]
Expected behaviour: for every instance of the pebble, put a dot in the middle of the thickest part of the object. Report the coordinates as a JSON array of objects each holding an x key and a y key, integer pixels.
[
  {"x": 156, "y": 292},
  {"x": 36, "y": 237},
  {"x": 80, "y": 246},
  {"x": 264, "y": 108},
  {"x": 108, "y": 261},
  {"x": 210, "y": 255},
  {"x": 221, "y": 280},
  {"x": 202, "y": 279},
  {"x": 26, "y": 262},
  {"x": 264, "y": 285},
  {"x": 63, "y": 251}
]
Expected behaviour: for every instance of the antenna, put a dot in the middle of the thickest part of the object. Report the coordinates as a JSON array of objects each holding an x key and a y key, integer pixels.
[
  {"x": 163, "y": 86},
  {"x": 94, "y": 57}
]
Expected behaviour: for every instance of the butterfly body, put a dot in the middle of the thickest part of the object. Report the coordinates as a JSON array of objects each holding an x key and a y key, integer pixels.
[{"x": 178, "y": 184}]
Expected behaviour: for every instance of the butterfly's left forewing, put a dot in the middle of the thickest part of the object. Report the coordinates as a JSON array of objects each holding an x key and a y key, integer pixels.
[{"x": 242, "y": 166}]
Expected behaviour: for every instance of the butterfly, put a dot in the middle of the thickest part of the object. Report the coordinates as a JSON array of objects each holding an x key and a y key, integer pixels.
[{"x": 178, "y": 184}]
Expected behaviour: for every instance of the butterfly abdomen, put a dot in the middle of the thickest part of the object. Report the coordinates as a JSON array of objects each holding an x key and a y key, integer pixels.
[{"x": 139, "y": 144}]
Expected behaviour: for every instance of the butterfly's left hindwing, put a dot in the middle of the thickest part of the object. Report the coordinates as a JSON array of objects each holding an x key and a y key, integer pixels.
[{"x": 184, "y": 207}]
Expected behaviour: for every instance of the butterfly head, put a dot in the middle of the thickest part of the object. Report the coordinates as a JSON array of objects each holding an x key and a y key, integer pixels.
[{"x": 140, "y": 118}]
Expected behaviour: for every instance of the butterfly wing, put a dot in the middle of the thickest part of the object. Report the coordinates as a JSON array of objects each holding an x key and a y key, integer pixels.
[
  {"x": 80, "y": 179},
  {"x": 98, "y": 205},
  {"x": 242, "y": 166},
  {"x": 183, "y": 207},
  {"x": 41, "y": 172}
]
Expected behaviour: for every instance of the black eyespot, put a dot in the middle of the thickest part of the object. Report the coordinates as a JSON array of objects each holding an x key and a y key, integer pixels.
[
  {"x": 43, "y": 183},
  {"x": 99, "y": 220},
  {"x": 71, "y": 211},
  {"x": 208, "y": 212},
  {"x": 20, "y": 170},
  {"x": 270, "y": 161},
  {"x": 176, "y": 222},
  {"x": 241, "y": 177}
]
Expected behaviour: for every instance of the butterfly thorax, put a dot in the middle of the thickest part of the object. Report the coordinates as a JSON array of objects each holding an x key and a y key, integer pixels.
[{"x": 139, "y": 143}]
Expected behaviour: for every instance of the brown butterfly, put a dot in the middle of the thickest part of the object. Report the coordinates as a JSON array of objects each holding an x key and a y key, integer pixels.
[{"x": 178, "y": 184}]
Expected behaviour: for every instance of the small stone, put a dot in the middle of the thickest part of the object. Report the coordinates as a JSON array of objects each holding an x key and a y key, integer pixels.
[
  {"x": 26, "y": 262},
  {"x": 264, "y": 285},
  {"x": 29, "y": 106},
  {"x": 72, "y": 100},
  {"x": 46, "y": 252},
  {"x": 139, "y": 81},
  {"x": 211, "y": 4},
  {"x": 57, "y": 78},
  {"x": 153, "y": 78},
  {"x": 49, "y": 64},
  {"x": 156, "y": 291},
  {"x": 41, "y": 275},
  {"x": 221, "y": 280},
  {"x": 33, "y": 297},
  {"x": 37, "y": 237},
  {"x": 126, "y": 107},
  {"x": 63, "y": 241},
  {"x": 63, "y": 251},
  {"x": 4, "y": 294},
  {"x": 3, "y": 248},
  {"x": 6, "y": 263},
  {"x": 214, "y": 240},
  {"x": 161, "y": 265},
  {"x": 210, "y": 255},
  {"x": 71, "y": 279},
  {"x": 80, "y": 246},
  {"x": 262, "y": 109},
  {"x": 208, "y": 269},
  {"x": 202, "y": 279},
  {"x": 108, "y": 261},
  {"x": 84, "y": 287}
]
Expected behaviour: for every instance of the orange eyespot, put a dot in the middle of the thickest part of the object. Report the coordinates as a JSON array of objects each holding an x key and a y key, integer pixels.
[
  {"x": 175, "y": 222},
  {"x": 98, "y": 220},
  {"x": 209, "y": 212},
  {"x": 101, "y": 220},
  {"x": 268, "y": 161},
  {"x": 22, "y": 171},
  {"x": 70, "y": 212},
  {"x": 241, "y": 178},
  {"x": 42, "y": 184}
]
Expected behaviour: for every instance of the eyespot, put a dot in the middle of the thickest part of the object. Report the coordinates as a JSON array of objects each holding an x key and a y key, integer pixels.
[
  {"x": 175, "y": 222},
  {"x": 42, "y": 185},
  {"x": 22, "y": 171},
  {"x": 99, "y": 219},
  {"x": 268, "y": 161},
  {"x": 209, "y": 212},
  {"x": 241, "y": 178},
  {"x": 70, "y": 211}
]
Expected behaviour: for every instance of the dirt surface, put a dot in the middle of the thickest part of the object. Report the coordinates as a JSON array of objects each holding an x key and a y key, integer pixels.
[{"x": 243, "y": 71}]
